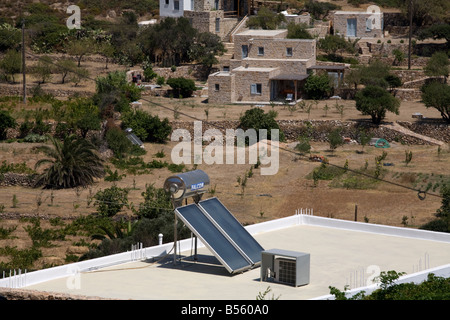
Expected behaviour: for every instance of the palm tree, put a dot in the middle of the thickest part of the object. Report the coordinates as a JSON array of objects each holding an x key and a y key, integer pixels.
[{"x": 73, "y": 163}]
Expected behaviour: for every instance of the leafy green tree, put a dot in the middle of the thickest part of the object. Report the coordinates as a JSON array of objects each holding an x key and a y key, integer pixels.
[
  {"x": 436, "y": 31},
  {"x": 266, "y": 19},
  {"x": 147, "y": 127},
  {"x": 6, "y": 121},
  {"x": 64, "y": 67},
  {"x": 399, "y": 56},
  {"x": 118, "y": 142},
  {"x": 319, "y": 9},
  {"x": 169, "y": 42},
  {"x": 11, "y": 63},
  {"x": 10, "y": 37},
  {"x": 43, "y": 69},
  {"x": 376, "y": 101},
  {"x": 111, "y": 200},
  {"x": 115, "y": 91},
  {"x": 298, "y": 31},
  {"x": 255, "y": 118},
  {"x": 156, "y": 202},
  {"x": 72, "y": 163},
  {"x": 335, "y": 138},
  {"x": 206, "y": 47},
  {"x": 317, "y": 86},
  {"x": 438, "y": 65},
  {"x": 354, "y": 77},
  {"x": 437, "y": 95},
  {"x": 80, "y": 48},
  {"x": 375, "y": 74},
  {"x": 182, "y": 86}
]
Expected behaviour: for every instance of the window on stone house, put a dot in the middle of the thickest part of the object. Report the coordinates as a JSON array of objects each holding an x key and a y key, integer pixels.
[
  {"x": 255, "y": 88},
  {"x": 289, "y": 52},
  {"x": 244, "y": 50},
  {"x": 217, "y": 25},
  {"x": 176, "y": 5},
  {"x": 167, "y": 2},
  {"x": 216, "y": 87},
  {"x": 260, "y": 51}
]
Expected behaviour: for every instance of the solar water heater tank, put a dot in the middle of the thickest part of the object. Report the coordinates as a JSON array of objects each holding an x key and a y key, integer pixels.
[{"x": 187, "y": 184}]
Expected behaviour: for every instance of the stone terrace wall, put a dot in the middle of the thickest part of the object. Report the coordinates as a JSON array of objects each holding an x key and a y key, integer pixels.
[
  {"x": 20, "y": 294},
  {"x": 439, "y": 130},
  {"x": 295, "y": 128}
]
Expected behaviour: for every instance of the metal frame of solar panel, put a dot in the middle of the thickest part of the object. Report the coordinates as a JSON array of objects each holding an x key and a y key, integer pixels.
[
  {"x": 225, "y": 220},
  {"x": 213, "y": 238}
]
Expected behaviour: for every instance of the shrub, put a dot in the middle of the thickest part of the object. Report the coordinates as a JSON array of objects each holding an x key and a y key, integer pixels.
[
  {"x": 118, "y": 142},
  {"x": 6, "y": 121},
  {"x": 255, "y": 118},
  {"x": 375, "y": 101},
  {"x": 317, "y": 86},
  {"x": 110, "y": 201},
  {"x": 147, "y": 127},
  {"x": 182, "y": 87}
]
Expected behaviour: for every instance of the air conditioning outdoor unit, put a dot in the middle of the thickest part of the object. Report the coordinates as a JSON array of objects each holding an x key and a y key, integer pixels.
[
  {"x": 285, "y": 270},
  {"x": 286, "y": 267}
]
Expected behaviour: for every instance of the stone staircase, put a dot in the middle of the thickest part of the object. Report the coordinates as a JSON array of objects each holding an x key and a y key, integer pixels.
[{"x": 364, "y": 52}]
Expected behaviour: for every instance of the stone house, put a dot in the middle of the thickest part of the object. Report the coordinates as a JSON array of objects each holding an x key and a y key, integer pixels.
[
  {"x": 215, "y": 16},
  {"x": 265, "y": 66},
  {"x": 355, "y": 24}
]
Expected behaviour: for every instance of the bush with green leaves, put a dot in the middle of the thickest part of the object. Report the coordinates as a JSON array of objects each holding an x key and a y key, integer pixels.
[
  {"x": 335, "y": 138},
  {"x": 111, "y": 200},
  {"x": 375, "y": 101},
  {"x": 114, "y": 90},
  {"x": 118, "y": 142},
  {"x": 256, "y": 119},
  {"x": 266, "y": 19},
  {"x": 6, "y": 121},
  {"x": 298, "y": 31},
  {"x": 147, "y": 127},
  {"x": 437, "y": 95},
  {"x": 11, "y": 64},
  {"x": 182, "y": 87},
  {"x": 10, "y": 37},
  {"x": 317, "y": 86}
]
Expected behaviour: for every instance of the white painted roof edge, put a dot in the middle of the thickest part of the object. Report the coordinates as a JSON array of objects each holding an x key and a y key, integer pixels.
[{"x": 72, "y": 269}]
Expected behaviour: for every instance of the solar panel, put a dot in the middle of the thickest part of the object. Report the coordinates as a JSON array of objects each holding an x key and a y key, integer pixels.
[
  {"x": 213, "y": 238},
  {"x": 134, "y": 139},
  {"x": 233, "y": 228}
]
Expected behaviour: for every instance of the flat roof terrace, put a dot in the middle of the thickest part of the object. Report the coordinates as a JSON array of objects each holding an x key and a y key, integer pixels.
[{"x": 341, "y": 253}]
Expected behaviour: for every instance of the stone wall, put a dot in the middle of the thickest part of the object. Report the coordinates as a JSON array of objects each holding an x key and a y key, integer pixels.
[
  {"x": 294, "y": 128},
  {"x": 21, "y": 294},
  {"x": 225, "y": 94},
  {"x": 15, "y": 179},
  {"x": 440, "y": 131},
  {"x": 340, "y": 24}
]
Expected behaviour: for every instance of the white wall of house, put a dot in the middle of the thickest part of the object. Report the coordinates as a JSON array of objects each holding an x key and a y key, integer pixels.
[{"x": 174, "y": 8}]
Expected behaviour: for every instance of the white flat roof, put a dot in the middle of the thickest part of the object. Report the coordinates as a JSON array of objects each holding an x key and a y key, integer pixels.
[
  {"x": 261, "y": 33},
  {"x": 341, "y": 253}
]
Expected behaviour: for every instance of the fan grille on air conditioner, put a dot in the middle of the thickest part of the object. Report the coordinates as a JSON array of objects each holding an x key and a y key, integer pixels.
[{"x": 285, "y": 270}]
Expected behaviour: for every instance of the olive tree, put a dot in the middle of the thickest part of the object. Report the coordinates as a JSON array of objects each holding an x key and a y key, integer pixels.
[{"x": 375, "y": 101}]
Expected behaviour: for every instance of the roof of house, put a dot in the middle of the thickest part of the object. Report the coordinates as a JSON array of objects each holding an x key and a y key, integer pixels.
[{"x": 341, "y": 253}]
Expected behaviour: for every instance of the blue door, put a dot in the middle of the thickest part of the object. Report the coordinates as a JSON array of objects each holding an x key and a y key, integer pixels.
[{"x": 351, "y": 27}]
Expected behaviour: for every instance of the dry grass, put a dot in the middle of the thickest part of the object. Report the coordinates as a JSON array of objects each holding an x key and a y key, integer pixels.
[{"x": 265, "y": 197}]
